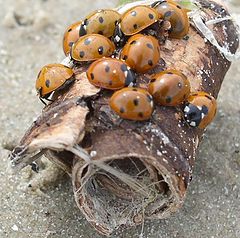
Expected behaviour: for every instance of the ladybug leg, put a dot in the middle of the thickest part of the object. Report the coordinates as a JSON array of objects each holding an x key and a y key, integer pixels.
[
  {"x": 49, "y": 100},
  {"x": 119, "y": 39},
  {"x": 43, "y": 101},
  {"x": 35, "y": 167},
  {"x": 157, "y": 3}
]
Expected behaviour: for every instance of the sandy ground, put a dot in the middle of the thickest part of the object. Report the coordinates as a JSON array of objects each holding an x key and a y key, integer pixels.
[{"x": 30, "y": 36}]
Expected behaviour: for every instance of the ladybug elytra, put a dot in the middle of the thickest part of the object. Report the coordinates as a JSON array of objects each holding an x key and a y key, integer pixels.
[
  {"x": 101, "y": 22},
  {"x": 132, "y": 104},
  {"x": 92, "y": 47},
  {"x": 110, "y": 74},
  {"x": 71, "y": 35},
  {"x": 52, "y": 77},
  {"x": 169, "y": 88},
  {"x": 141, "y": 52}
]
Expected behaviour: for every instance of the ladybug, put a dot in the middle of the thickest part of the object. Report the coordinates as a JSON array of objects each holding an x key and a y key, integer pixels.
[
  {"x": 91, "y": 47},
  {"x": 200, "y": 109},
  {"x": 110, "y": 74},
  {"x": 141, "y": 52},
  {"x": 169, "y": 88},
  {"x": 176, "y": 15},
  {"x": 132, "y": 104},
  {"x": 101, "y": 22},
  {"x": 137, "y": 19},
  {"x": 52, "y": 77},
  {"x": 71, "y": 35}
]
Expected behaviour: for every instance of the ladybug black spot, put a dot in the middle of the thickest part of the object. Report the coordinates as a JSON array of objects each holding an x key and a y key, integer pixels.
[
  {"x": 179, "y": 7},
  {"x": 87, "y": 41},
  {"x": 125, "y": 57},
  {"x": 100, "y": 50},
  {"x": 140, "y": 114},
  {"x": 135, "y": 26},
  {"x": 134, "y": 13},
  {"x": 81, "y": 54},
  {"x": 169, "y": 73},
  {"x": 168, "y": 99},
  {"x": 100, "y": 32},
  {"x": 204, "y": 110},
  {"x": 153, "y": 80},
  {"x": 133, "y": 42},
  {"x": 180, "y": 85},
  {"x": 122, "y": 110},
  {"x": 47, "y": 83},
  {"x": 124, "y": 67},
  {"x": 150, "y": 16},
  {"x": 92, "y": 76},
  {"x": 150, "y": 46},
  {"x": 167, "y": 14},
  {"x": 150, "y": 63},
  {"x": 136, "y": 102},
  {"x": 101, "y": 20},
  {"x": 107, "y": 69},
  {"x": 69, "y": 29},
  {"x": 70, "y": 44}
]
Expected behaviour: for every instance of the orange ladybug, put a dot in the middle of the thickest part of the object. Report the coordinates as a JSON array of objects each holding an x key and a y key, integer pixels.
[
  {"x": 176, "y": 15},
  {"x": 137, "y": 19},
  {"x": 169, "y": 88},
  {"x": 101, "y": 22},
  {"x": 132, "y": 104},
  {"x": 200, "y": 109},
  {"x": 110, "y": 74},
  {"x": 141, "y": 52},
  {"x": 71, "y": 35},
  {"x": 52, "y": 77},
  {"x": 92, "y": 47}
]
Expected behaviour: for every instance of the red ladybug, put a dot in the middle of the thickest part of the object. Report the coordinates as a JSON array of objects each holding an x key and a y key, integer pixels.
[
  {"x": 110, "y": 74},
  {"x": 132, "y": 104}
]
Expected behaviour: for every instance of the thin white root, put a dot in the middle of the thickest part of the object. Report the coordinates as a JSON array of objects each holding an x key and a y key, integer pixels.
[{"x": 125, "y": 178}]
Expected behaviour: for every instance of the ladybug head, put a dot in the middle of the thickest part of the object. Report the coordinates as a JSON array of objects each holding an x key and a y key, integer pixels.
[{"x": 194, "y": 114}]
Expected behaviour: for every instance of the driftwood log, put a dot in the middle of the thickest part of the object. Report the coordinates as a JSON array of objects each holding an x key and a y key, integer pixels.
[{"x": 122, "y": 171}]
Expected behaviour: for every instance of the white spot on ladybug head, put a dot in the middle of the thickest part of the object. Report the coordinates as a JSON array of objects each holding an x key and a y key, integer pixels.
[
  {"x": 200, "y": 108},
  {"x": 117, "y": 38},
  {"x": 202, "y": 115},
  {"x": 131, "y": 85},
  {"x": 193, "y": 124},
  {"x": 186, "y": 109},
  {"x": 126, "y": 74}
]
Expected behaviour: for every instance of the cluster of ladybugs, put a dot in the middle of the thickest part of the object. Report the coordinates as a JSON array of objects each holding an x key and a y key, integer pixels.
[{"x": 119, "y": 47}]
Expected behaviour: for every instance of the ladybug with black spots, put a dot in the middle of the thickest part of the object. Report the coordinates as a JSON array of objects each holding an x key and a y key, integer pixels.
[
  {"x": 132, "y": 104},
  {"x": 101, "y": 22},
  {"x": 134, "y": 21},
  {"x": 110, "y": 74},
  {"x": 169, "y": 88},
  {"x": 53, "y": 77},
  {"x": 92, "y": 47},
  {"x": 141, "y": 52},
  {"x": 176, "y": 15},
  {"x": 71, "y": 35},
  {"x": 200, "y": 109}
]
